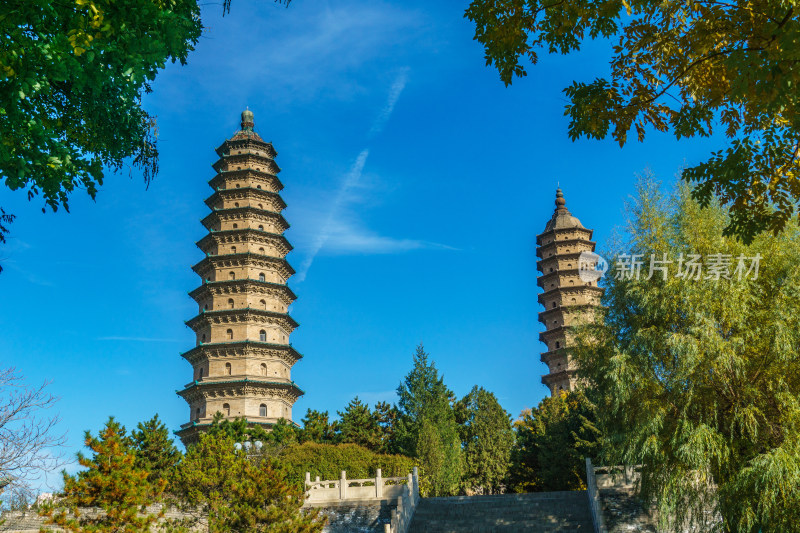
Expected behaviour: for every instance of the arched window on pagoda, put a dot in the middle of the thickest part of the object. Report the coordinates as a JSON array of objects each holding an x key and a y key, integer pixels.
[
  {"x": 197, "y": 414},
  {"x": 228, "y": 369},
  {"x": 232, "y": 275},
  {"x": 262, "y": 410},
  {"x": 260, "y": 227},
  {"x": 233, "y": 249},
  {"x": 262, "y": 277},
  {"x": 235, "y": 226},
  {"x": 263, "y": 304},
  {"x": 203, "y": 338},
  {"x": 262, "y": 336},
  {"x": 230, "y": 334},
  {"x": 226, "y": 409},
  {"x": 263, "y": 369},
  {"x": 230, "y": 303}
]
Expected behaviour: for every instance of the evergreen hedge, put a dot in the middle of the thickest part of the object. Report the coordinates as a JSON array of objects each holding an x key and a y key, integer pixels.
[{"x": 328, "y": 460}]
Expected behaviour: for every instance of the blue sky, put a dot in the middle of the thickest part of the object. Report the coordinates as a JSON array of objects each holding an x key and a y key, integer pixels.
[{"x": 416, "y": 184}]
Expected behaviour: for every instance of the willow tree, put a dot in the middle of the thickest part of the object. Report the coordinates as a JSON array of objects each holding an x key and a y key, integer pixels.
[
  {"x": 696, "y": 367},
  {"x": 684, "y": 67}
]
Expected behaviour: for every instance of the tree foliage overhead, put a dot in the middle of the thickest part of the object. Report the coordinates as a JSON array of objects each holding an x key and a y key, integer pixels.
[
  {"x": 698, "y": 380},
  {"x": 687, "y": 67},
  {"x": 72, "y": 74}
]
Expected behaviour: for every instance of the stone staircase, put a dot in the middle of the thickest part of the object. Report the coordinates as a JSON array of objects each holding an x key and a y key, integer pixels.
[{"x": 542, "y": 512}]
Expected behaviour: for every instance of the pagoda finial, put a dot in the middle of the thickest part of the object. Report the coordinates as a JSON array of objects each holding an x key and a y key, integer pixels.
[
  {"x": 560, "y": 202},
  {"x": 247, "y": 120}
]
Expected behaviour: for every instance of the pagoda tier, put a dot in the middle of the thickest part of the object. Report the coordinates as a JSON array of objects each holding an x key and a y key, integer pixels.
[
  {"x": 242, "y": 361},
  {"x": 567, "y": 299}
]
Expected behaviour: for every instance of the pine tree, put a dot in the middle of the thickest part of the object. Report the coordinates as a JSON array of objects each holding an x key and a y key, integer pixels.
[
  {"x": 155, "y": 450},
  {"x": 487, "y": 439},
  {"x": 241, "y": 493},
  {"x": 111, "y": 482},
  {"x": 427, "y": 428},
  {"x": 316, "y": 428},
  {"x": 386, "y": 416},
  {"x": 552, "y": 443},
  {"x": 359, "y": 425}
]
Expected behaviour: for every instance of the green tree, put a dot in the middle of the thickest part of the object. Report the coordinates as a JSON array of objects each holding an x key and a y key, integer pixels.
[
  {"x": 688, "y": 67},
  {"x": 317, "y": 428},
  {"x": 697, "y": 375},
  {"x": 241, "y": 493},
  {"x": 487, "y": 439},
  {"x": 72, "y": 76},
  {"x": 359, "y": 425},
  {"x": 111, "y": 482},
  {"x": 386, "y": 415},
  {"x": 552, "y": 443},
  {"x": 155, "y": 451},
  {"x": 427, "y": 427}
]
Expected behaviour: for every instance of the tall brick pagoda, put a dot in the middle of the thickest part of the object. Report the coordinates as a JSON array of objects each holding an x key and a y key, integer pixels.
[
  {"x": 567, "y": 298},
  {"x": 242, "y": 360}
]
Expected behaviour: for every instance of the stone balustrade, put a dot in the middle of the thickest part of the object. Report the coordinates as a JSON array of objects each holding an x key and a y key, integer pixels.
[{"x": 403, "y": 491}]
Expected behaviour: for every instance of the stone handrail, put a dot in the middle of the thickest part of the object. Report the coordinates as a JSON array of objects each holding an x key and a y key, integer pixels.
[
  {"x": 406, "y": 505},
  {"x": 594, "y": 499},
  {"x": 404, "y": 491},
  {"x": 331, "y": 491}
]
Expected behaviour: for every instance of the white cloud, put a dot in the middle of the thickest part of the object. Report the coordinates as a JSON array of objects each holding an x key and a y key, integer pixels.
[{"x": 394, "y": 94}]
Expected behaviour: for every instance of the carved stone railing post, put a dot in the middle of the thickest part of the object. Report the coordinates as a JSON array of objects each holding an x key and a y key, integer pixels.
[
  {"x": 308, "y": 479},
  {"x": 343, "y": 486},
  {"x": 378, "y": 484}
]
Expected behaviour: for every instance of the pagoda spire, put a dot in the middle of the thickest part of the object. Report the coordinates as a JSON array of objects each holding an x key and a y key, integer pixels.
[
  {"x": 567, "y": 297},
  {"x": 242, "y": 358}
]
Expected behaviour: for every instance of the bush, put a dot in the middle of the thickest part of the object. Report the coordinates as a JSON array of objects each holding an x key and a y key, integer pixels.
[{"x": 328, "y": 460}]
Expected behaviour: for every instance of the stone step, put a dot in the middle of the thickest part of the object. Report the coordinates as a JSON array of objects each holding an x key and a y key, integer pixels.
[{"x": 545, "y": 512}]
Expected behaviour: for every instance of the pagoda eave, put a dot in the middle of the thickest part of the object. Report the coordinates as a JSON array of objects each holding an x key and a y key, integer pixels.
[
  {"x": 219, "y": 215},
  {"x": 211, "y": 350},
  {"x": 241, "y": 386},
  {"x": 539, "y": 237},
  {"x": 546, "y": 295},
  {"x": 246, "y": 258},
  {"x": 247, "y": 314},
  {"x": 206, "y": 288},
  {"x": 242, "y": 235},
  {"x": 238, "y": 143}
]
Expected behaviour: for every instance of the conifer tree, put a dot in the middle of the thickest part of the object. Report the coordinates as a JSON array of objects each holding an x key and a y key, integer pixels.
[
  {"x": 359, "y": 425},
  {"x": 111, "y": 482},
  {"x": 241, "y": 493},
  {"x": 552, "y": 443},
  {"x": 155, "y": 450},
  {"x": 386, "y": 416},
  {"x": 487, "y": 439},
  {"x": 427, "y": 427},
  {"x": 317, "y": 428}
]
